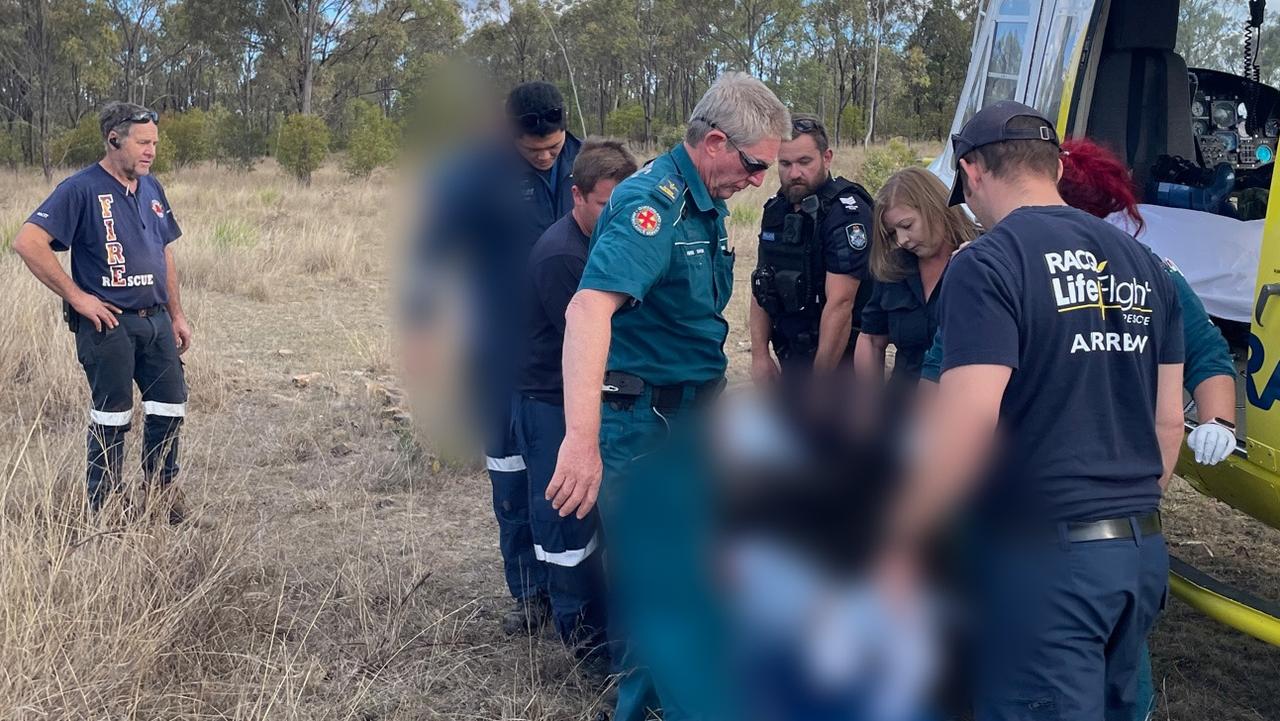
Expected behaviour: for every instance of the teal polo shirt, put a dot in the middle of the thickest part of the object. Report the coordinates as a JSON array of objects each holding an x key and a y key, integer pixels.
[{"x": 662, "y": 242}]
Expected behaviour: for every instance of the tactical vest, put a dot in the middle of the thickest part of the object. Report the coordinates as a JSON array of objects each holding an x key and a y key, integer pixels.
[{"x": 790, "y": 274}]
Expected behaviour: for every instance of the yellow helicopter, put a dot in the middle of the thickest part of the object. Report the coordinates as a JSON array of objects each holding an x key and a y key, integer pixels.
[{"x": 1201, "y": 143}]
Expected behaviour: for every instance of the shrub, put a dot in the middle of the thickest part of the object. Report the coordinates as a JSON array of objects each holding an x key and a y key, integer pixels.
[
  {"x": 189, "y": 137},
  {"x": 304, "y": 142},
  {"x": 884, "y": 161},
  {"x": 626, "y": 122},
  {"x": 78, "y": 146},
  {"x": 853, "y": 126},
  {"x": 372, "y": 140},
  {"x": 238, "y": 143}
]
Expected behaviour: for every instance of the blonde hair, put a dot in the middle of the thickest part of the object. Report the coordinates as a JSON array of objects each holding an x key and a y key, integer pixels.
[{"x": 921, "y": 191}]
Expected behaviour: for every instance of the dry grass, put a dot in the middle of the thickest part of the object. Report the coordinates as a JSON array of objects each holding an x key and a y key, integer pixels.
[
  {"x": 321, "y": 580},
  {"x": 335, "y": 572}
]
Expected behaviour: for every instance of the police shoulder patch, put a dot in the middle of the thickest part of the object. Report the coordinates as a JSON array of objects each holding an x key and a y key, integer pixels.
[
  {"x": 857, "y": 235},
  {"x": 1170, "y": 266},
  {"x": 646, "y": 220},
  {"x": 850, "y": 203}
]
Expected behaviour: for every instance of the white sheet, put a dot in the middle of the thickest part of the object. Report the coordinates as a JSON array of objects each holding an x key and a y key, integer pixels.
[{"x": 1217, "y": 255}]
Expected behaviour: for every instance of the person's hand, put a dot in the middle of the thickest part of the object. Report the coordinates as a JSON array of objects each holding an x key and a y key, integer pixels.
[
  {"x": 182, "y": 333},
  {"x": 101, "y": 313},
  {"x": 896, "y": 575},
  {"x": 764, "y": 369},
  {"x": 576, "y": 482},
  {"x": 1211, "y": 442}
]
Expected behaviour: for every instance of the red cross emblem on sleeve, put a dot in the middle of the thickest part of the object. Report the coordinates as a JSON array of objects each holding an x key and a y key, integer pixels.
[{"x": 646, "y": 220}]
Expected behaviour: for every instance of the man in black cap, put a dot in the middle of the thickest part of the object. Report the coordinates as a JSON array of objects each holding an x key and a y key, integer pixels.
[
  {"x": 489, "y": 207},
  {"x": 1055, "y": 326}
]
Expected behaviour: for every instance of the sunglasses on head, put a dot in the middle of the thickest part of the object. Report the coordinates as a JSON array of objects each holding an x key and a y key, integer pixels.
[
  {"x": 749, "y": 164},
  {"x": 530, "y": 121},
  {"x": 804, "y": 125},
  {"x": 143, "y": 116}
]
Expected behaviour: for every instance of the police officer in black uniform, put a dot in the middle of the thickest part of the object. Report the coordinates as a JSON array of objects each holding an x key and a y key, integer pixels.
[
  {"x": 121, "y": 298},
  {"x": 811, "y": 278}
]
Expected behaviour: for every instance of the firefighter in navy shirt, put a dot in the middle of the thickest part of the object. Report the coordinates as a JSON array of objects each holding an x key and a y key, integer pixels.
[
  {"x": 1061, "y": 389},
  {"x": 570, "y": 547},
  {"x": 123, "y": 296}
]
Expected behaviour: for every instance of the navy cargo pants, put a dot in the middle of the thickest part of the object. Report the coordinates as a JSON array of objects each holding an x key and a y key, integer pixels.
[
  {"x": 570, "y": 548},
  {"x": 142, "y": 349},
  {"x": 526, "y": 576},
  {"x": 1062, "y": 626}
]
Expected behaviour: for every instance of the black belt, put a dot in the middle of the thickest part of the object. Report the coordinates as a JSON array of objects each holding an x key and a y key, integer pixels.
[
  {"x": 624, "y": 388},
  {"x": 1112, "y": 528},
  {"x": 144, "y": 312}
]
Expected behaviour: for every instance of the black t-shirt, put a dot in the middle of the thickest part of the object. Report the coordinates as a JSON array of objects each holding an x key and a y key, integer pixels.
[
  {"x": 116, "y": 237},
  {"x": 555, "y": 268},
  {"x": 1083, "y": 315}
]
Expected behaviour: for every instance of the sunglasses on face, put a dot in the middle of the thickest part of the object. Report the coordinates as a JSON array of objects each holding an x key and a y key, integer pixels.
[
  {"x": 530, "y": 121},
  {"x": 749, "y": 164}
]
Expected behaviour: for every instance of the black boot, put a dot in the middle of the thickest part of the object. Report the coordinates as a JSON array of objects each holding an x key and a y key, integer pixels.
[{"x": 527, "y": 616}]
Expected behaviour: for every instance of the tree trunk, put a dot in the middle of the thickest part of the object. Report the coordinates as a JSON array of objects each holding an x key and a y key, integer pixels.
[{"x": 875, "y": 75}]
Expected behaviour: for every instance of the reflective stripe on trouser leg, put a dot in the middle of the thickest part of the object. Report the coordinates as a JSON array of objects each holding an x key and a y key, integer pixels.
[
  {"x": 567, "y": 545},
  {"x": 525, "y": 575}
]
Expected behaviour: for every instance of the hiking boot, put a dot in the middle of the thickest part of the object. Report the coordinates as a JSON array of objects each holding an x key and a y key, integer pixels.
[{"x": 527, "y": 616}]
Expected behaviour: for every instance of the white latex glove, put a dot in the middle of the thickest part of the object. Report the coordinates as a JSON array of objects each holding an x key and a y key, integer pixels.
[{"x": 1211, "y": 443}]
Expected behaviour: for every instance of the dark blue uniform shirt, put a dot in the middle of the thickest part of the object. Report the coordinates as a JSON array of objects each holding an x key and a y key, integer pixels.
[
  {"x": 555, "y": 269},
  {"x": 490, "y": 207},
  {"x": 116, "y": 237},
  {"x": 899, "y": 310},
  {"x": 1084, "y": 315}
]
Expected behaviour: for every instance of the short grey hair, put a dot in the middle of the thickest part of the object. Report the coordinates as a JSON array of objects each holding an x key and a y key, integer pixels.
[{"x": 741, "y": 107}]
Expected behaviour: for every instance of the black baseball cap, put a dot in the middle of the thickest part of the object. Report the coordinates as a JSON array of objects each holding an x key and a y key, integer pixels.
[{"x": 991, "y": 125}]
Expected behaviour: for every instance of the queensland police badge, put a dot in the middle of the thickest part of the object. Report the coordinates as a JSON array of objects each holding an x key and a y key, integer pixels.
[{"x": 857, "y": 236}]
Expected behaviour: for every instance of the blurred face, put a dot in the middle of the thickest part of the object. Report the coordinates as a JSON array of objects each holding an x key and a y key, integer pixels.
[
  {"x": 541, "y": 151},
  {"x": 137, "y": 149},
  {"x": 587, "y": 208},
  {"x": 909, "y": 231},
  {"x": 801, "y": 168},
  {"x": 725, "y": 168}
]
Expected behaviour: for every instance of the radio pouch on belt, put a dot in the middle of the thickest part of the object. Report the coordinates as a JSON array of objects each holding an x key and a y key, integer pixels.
[{"x": 71, "y": 317}]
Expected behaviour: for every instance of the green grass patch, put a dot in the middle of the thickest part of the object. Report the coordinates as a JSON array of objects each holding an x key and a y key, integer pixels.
[
  {"x": 744, "y": 215},
  {"x": 234, "y": 234},
  {"x": 269, "y": 196},
  {"x": 8, "y": 231}
]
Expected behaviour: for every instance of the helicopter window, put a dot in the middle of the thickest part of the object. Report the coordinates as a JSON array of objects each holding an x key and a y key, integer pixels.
[
  {"x": 1210, "y": 36},
  {"x": 1006, "y": 61},
  {"x": 1059, "y": 50}
]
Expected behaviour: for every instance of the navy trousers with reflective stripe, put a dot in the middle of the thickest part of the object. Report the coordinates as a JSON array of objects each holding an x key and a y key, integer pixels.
[
  {"x": 142, "y": 351},
  {"x": 526, "y": 576},
  {"x": 569, "y": 547}
]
